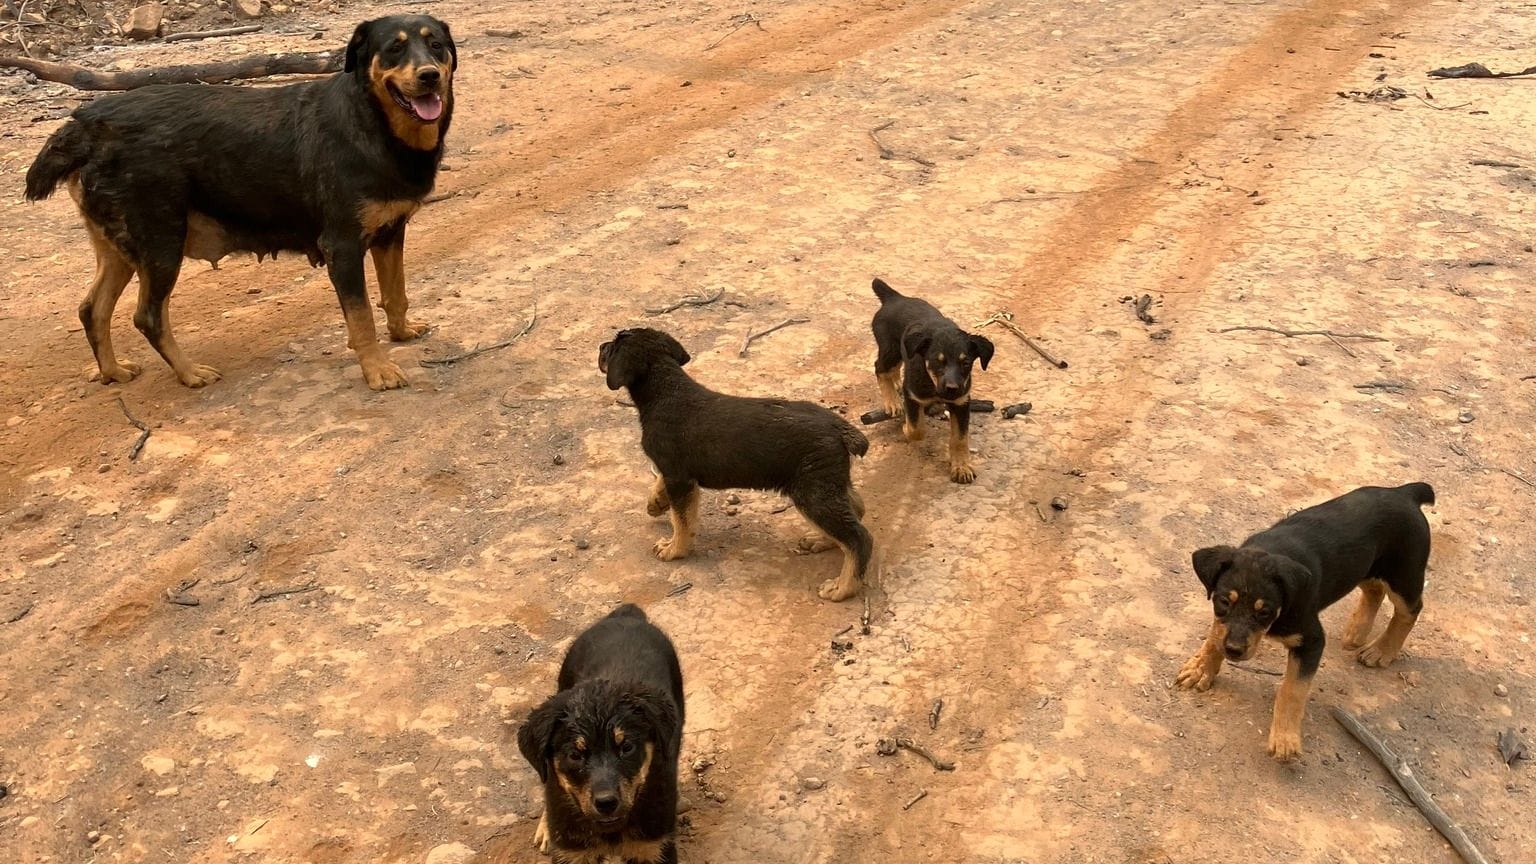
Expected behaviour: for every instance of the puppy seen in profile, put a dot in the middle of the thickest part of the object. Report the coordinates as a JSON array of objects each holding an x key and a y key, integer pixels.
[
  {"x": 1280, "y": 579},
  {"x": 606, "y": 746},
  {"x": 697, "y": 437},
  {"x": 932, "y": 358}
]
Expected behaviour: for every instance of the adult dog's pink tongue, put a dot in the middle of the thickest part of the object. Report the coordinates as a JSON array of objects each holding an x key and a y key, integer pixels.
[{"x": 428, "y": 107}]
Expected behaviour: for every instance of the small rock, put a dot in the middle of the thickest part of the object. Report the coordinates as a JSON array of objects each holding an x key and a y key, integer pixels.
[
  {"x": 29, "y": 821},
  {"x": 168, "y": 792},
  {"x": 733, "y": 499},
  {"x": 812, "y": 783},
  {"x": 450, "y": 853},
  {"x": 1303, "y": 361},
  {"x": 93, "y": 837},
  {"x": 246, "y": 8},
  {"x": 1058, "y": 503},
  {"x": 1500, "y": 690},
  {"x": 144, "y": 22},
  {"x": 582, "y": 543},
  {"x": 841, "y": 644},
  {"x": 1466, "y": 417},
  {"x": 103, "y": 468}
]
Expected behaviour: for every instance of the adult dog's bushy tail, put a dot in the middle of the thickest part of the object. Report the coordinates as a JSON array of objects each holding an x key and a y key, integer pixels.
[
  {"x": 65, "y": 152},
  {"x": 884, "y": 291},
  {"x": 1422, "y": 493}
]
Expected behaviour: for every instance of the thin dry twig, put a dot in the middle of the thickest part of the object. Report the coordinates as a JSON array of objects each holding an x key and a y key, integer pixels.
[
  {"x": 284, "y": 592},
  {"x": 1398, "y": 768},
  {"x": 934, "y": 712},
  {"x": 889, "y": 746},
  {"x": 1332, "y": 336},
  {"x": 1478, "y": 463},
  {"x": 921, "y": 794},
  {"x": 690, "y": 300},
  {"x": 741, "y": 20},
  {"x": 888, "y": 153},
  {"x": 1493, "y": 163},
  {"x": 754, "y": 335},
  {"x": 444, "y": 361},
  {"x": 1005, "y": 319},
  {"x": 210, "y": 34},
  {"x": 1255, "y": 670},
  {"x": 864, "y": 618},
  {"x": 133, "y": 452},
  {"x": 19, "y": 614},
  {"x": 680, "y": 590}
]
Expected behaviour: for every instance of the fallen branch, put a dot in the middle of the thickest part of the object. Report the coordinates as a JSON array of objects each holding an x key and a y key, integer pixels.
[
  {"x": 477, "y": 351},
  {"x": 934, "y": 712},
  {"x": 19, "y": 614},
  {"x": 254, "y": 66},
  {"x": 754, "y": 336},
  {"x": 921, "y": 794},
  {"x": 1478, "y": 463},
  {"x": 889, "y": 746},
  {"x": 1493, "y": 163},
  {"x": 1477, "y": 70},
  {"x": 506, "y": 34},
  {"x": 209, "y": 34},
  {"x": 741, "y": 20},
  {"x": 284, "y": 592},
  {"x": 888, "y": 153},
  {"x": 934, "y": 409},
  {"x": 680, "y": 590},
  {"x": 1005, "y": 318},
  {"x": 1332, "y": 336},
  {"x": 690, "y": 300},
  {"x": 133, "y": 452},
  {"x": 1528, "y": 377},
  {"x": 1390, "y": 386},
  {"x": 1420, "y": 797}
]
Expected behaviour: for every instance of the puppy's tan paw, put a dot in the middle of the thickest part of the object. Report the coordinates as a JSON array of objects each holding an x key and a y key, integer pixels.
[
  {"x": 669, "y": 549},
  {"x": 1284, "y": 746},
  {"x": 1193, "y": 675},
  {"x": 541, "y": 834},
  {"x": 963, "y": 474},
  {"x": 838, "y": 590},
  {"x": 812, "y": 544},
  {"x": 198, "y": 375},
  {"x": 656, "y": 506},
  {"x": 1376, "y": 656},
  {"x": 408, "y": 330},
  {"x": 912, "y": 431},
  {"x": 122, "y": 372}
]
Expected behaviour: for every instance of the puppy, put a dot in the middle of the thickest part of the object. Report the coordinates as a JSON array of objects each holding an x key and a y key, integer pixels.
[
  {"x": 697, "y": 437},
  {"x": 606, "y": 746},
  {"x": 1280, "y": 579},
  {"x": 933, "y": 357}
]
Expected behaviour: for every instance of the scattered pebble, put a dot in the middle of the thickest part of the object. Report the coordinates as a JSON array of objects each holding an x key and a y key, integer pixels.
[
  {"x": 93, "y": 837},
  {"x": 1466, "y": 417},
  {"x": 1058, "y": 503},
  {"x": 733, "y": 499},
  {"x": 1500, "y": 690},
  {"x": 1303, "y": 361},
  {"x": 812, "y": 783},
  {"x": 559, "y": 459},
  {"x": 582, "y": 543}
]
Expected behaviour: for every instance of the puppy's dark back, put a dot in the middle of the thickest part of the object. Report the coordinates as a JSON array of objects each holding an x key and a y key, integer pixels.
[
  {"x": 1349, "y": 533},
  {"x": 626, "y": 648},
  {"x": 897, "y": 312}
]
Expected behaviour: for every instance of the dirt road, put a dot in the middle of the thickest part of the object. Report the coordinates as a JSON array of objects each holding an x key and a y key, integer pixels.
[{"x": 1049, "y": 158}]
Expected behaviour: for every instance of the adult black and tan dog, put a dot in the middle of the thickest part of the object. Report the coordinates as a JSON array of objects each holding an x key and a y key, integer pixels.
[
  {"x": 1280, "y": 579},
  {"x": 606, "y": 746},
  {"x": 933, "y": 358},
  {"x": 697, "y": 437},
  {"x": 330, "y": 168}
]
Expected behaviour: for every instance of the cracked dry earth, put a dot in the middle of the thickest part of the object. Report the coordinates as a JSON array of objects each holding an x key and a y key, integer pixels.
[{"x": 459, "y": 533}]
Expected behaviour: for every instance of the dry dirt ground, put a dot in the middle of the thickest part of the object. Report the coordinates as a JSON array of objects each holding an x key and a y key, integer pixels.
[{"x": 1051, "y": 158}]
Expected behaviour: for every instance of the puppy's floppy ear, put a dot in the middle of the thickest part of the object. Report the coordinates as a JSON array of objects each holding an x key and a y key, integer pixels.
[
  {"x": 981, "y": 346},
  {"x": 915, "y": 341},
  {"x": 1210, "y": 563},
  {"x": 453, "y": 50},
  {"x": 357, "y": 49},
  {"x": 661, "y": 714},
  {"x": 623, "y": 368},
  {"x": 676, "y": 350},
  {"x": 1294, "y": 581},
  {"x": 536, "y": 737}
]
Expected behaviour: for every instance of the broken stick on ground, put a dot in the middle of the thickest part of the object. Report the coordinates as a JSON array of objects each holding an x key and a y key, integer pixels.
[
  {"x": 888, "y": 153},
  {"x": 690, "y": 300},
  {"x": 1420, "y": 797},
  {"x": 753, "y": 336},
  {"x": 889, "y": 746},
  {"x": 254, "y": 66},
  {"x": 741, "y": 20},
  {"x": 210, "y": 34},
  {"x": 921, "y": 794},
  {"x": 934, "y": 712},
  {"x": 1478, "y": 463},
  {"x": 1332, "y": 336},
  {"x": 477, "y": 351},
  {"x": 284, "y": 592},
  {"x": 133, "y": 452},
  {"x": 1005, "y": 318}
]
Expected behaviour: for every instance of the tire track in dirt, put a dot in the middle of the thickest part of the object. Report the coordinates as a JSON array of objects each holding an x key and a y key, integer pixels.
[{"x": 1282, "y": 74}]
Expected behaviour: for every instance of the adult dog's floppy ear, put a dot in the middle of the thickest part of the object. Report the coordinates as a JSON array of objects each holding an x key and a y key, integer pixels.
[
  {"x": 1210, "y": 563},
  {"x": 453, "y": 50},
  {"x": 661, "y": 714},
  {"x": 536, "y": 737},
  {"x": 981, "y": 346},
  {"x": 357, "y": 49},
  {"x": 915, "y": 341}
]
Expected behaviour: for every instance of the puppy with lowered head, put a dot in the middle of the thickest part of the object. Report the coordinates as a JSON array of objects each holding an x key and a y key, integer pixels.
[
  {"x": 696, "y": 437},
  {"x": 606, "y": 746}
]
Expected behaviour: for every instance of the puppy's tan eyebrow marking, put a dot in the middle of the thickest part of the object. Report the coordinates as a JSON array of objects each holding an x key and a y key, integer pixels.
[
  {"x": 580, "y": 744},
  {"x": 1231, "y": 596},
  {"x": 401, "y": 36},
  {"x": 1258, "y": 605},
  {"x": 618, "y": 735},
  {"x": 426, "y": 31}
]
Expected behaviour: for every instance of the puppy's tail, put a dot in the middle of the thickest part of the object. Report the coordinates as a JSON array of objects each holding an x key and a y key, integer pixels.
[
  {"x": 628, "y": 610},
  {"x": 884, "y": 291},
  {"x": 1422, "y": 493},
  {"x": 854, "y": 441},
  {"x": 62, "y": 156}
]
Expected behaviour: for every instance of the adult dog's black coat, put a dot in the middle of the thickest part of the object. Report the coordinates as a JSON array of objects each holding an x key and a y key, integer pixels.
[
  {"x": 932, "y": 358},
  {"x": 697, "y": 437},
  {"x": 1278, "y": 582},
  {"x": 330, "y": 168},
  {"x": 606, "y": 745}
]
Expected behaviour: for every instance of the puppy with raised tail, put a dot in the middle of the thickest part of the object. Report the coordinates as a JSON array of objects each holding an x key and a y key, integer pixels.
[
  {"x": 1277, "y": 583},
  {"x": 696, "y": 437},
  {"x": 606, "y": 746},
  {"x": 932, "y": 358}
]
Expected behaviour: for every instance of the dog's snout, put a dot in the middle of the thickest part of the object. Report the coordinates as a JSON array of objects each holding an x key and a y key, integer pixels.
[
  {"x": 429, "y": 76},
  {"x": 606, "y": 803},
  {"x": 1234, "y": 651}
]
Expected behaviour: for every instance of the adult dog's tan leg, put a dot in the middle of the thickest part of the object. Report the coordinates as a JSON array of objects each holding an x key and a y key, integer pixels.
[
  {"x": 389, "y": 267},
  {"x": 113, "y": 272}
]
